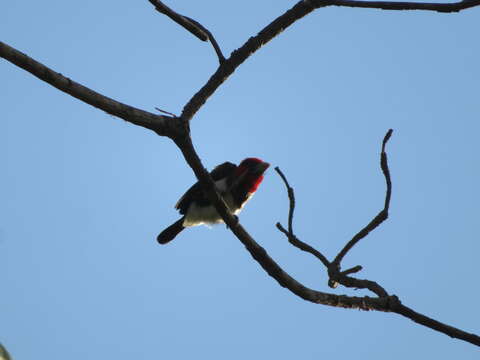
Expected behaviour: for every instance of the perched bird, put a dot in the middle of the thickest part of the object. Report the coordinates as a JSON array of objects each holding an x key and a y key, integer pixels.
[{"x": 235, "y": 183}]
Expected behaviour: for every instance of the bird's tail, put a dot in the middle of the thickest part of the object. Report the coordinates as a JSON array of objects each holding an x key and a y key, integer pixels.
[{"x": 170, "y": 232}]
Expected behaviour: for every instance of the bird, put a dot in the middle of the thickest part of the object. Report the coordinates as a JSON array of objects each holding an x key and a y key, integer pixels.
[{"x": 235, "y": 183}]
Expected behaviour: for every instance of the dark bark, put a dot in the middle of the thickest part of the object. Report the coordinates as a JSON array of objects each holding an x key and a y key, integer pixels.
[{"x": 177, "y": 129}]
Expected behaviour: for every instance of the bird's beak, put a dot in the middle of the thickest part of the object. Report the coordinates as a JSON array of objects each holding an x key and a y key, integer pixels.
[{"x": 260, "y": 168}]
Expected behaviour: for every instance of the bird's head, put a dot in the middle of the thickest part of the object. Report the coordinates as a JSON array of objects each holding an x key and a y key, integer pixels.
[{"x": 250, "y": 173}]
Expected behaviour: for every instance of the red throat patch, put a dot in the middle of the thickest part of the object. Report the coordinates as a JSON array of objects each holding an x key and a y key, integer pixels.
[
  {"x": 248, "y": 172},
  {"x": 254, "y": 183}
]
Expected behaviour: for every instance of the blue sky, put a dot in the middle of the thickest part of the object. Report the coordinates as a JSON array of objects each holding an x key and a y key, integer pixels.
[{"x": 84, "y": 194}]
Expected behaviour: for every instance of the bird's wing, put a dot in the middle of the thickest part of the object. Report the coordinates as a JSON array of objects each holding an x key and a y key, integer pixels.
[
  {"x": 222, "y": 171},
  {"x": 196, "y": 193}
]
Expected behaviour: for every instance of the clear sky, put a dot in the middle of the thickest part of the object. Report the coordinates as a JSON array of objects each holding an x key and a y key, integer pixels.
[{"x": 84, "y": 194}]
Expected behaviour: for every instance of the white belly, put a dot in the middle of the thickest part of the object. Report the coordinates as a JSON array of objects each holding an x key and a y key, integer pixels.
[{"x": 199, "y": 215}]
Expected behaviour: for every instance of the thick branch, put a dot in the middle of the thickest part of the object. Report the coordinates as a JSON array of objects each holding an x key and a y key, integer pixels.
[
  {"x": 297, "y": 12},
  {"x": 391, "y": 5},
  {"x": 387, "y": 303},
  {"x": 157, "y": 123},
  {"x": 259, "y": 253}
]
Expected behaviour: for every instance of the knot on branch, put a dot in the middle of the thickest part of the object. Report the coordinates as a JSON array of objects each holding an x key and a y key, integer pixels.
[{"x": 393, "y": 303}]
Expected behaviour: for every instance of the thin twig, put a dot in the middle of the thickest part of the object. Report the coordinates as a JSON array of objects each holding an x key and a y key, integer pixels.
[
  {"x": 179, "y": 19},
  {"x": 214, "y": 43},
  {"x": 292, "y": 239},
  {"x": 291, "y": 198},
  {"x": 382, "y": 215},
  {"x": 191, "y": 25},
  {"x": 289, "y": 234},
  {"x": 165, "y": 112},
  {"x": 335, "y": 275}
]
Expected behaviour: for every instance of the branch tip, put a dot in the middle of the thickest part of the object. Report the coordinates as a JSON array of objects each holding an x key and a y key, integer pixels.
[
  {"x": 386, "y": 138},
  {"x": 191, "y": 25},
  {"x": 352, "y": 270},
  {"x": 382, "y": 215}
]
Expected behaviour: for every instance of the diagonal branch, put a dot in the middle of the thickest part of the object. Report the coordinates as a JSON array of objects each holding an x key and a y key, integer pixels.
[
  {"x": 292, "y": 239},
  {"x": 238, "y": 56},
  {"x": 180, "y": 19},
  {"x": 191, "y": 25},
  {"x": 157, "y": 123},
  {"x": 434, "y": 324},
  {"x": 260, "y": 254},
  {"x": 289, "y": 234},
  {"x": 381, "y": 216},
  {"x": 298, "y": 11},
  {"x": 384, "y": 303}
]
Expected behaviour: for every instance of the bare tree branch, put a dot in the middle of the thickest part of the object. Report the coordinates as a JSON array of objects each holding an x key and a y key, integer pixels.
[
  {"x": 298, "y": 11},
  {"x": 178, "y": 130},
  {"x": 214, "y": 43},
  {"x": 382, "y": 303},
  {"x": 259, "y": 253},
  {"x": 352, "y": 270},
  {"x": 382, "y": 215},
  {"x": 303, "y": 246},
  {"x": 401, "y": 5},
  {"x": 158, "y": 123},
  {"x": 351, "y": 282},
  {"x": 435, "y": 325},
  {"x": 292, "y": 238},
  {"x": 180, "y": 19},
  {"x": 291, "y": 198},
  {"x": 335, "y": 275},
  {"x": 191, "y": 25},
  {"x": 240, "y": 55}
]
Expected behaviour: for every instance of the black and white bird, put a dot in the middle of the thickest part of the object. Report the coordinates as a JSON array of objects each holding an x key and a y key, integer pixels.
[{"x": 235, "y": 183}]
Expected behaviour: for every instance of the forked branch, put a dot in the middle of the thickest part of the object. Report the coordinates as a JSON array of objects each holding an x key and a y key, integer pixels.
[
  {"x": 178, "y": 130},
  {"x": 336, "y": 276},
  {"x": 340, "y": 277},
  {"x": 298, "y": 11},
  {"x": 191, "y": 25}
]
